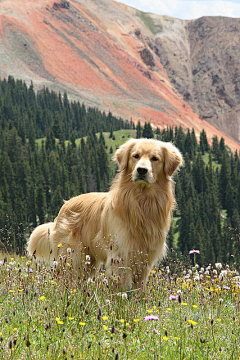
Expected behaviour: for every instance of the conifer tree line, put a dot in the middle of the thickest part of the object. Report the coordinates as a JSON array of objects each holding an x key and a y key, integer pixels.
[
  {"x": 35, "y": 176},
  {"x": 208, "y": 196},
  {"x": 46, "y": 113}
]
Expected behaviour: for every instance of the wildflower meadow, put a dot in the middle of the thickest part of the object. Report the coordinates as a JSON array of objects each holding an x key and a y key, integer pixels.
[{"x": 50, "y": 312}]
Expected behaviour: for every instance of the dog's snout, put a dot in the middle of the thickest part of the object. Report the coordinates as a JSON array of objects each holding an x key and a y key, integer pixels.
[{"x": 142, "y": 171}]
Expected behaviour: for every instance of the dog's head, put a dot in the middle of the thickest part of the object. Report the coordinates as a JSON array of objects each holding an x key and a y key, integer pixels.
[{"x": 147, "y": 161}]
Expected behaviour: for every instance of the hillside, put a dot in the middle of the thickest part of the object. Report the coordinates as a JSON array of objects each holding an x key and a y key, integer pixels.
[
  {"x": 202, "y": 59},
  {"x": 107, "y": 55}
]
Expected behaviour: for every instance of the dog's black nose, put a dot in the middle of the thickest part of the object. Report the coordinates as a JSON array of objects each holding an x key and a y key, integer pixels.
[{"x": 142, "y": 171}]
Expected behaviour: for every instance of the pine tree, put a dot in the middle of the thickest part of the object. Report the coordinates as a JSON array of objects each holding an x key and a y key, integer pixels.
[
  {"x": 147, "y": 131},
  {"x": 139, "y": 130}
]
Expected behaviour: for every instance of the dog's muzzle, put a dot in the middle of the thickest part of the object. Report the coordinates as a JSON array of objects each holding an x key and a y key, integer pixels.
[{"x": 142, "y": 173}]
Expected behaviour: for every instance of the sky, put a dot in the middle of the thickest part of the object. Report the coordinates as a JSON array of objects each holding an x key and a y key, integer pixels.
[{"x": 187, "y": 9}]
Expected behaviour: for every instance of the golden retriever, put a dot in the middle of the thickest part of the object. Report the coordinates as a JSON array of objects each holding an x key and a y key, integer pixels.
[{"x": 125, "y": 228}]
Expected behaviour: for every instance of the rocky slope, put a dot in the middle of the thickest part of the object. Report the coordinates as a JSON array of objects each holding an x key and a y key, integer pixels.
[
  {"x": 204, "y": 67},
  {"x": 109, "y": 55}
]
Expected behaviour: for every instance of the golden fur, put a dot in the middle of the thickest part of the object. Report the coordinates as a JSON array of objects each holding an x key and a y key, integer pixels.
[{"x": 125, "y": 228}]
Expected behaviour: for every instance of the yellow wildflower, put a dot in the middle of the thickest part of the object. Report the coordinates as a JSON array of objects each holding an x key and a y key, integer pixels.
[{"x": 192, "y": 322}]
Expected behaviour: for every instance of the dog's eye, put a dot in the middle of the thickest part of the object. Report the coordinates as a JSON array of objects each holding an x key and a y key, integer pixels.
[
  {"x": 154, "y": 158},
  {"x": 136, "y": 156}
]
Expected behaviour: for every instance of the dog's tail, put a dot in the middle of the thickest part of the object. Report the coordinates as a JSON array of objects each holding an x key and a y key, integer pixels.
[{"x": 39, "y": 244}]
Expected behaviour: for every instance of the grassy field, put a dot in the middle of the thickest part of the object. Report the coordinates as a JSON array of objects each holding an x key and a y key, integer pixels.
[
  {"x": 120, "y": 137},
  {"x": 47, "y": 312},
  {"x": 50, "y": 312}
]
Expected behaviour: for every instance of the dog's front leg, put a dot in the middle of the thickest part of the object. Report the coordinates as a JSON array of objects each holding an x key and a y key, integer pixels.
[
  {"x": 117, "y": 267},
  {"x": 141, "y": 277}
]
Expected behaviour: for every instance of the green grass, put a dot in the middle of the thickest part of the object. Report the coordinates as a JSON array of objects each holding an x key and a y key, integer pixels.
[
  {"x": 152, "y": 24},
  {"x": 215, "y": 164},
  {"x": 176, "y": 231},
  {"x": 49, "y": 313},
  {"x": 120, "y": 137}
]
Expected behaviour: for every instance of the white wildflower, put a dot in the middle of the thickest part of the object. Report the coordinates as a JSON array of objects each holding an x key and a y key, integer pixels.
[
  {"x": 12, "y": 263},
  {"x": 197, "y": 278},
  {"x": 224, "y": 272},
  {"x": 124, "y": 296},
  {"x": 218, "y": 266},
  {"x": 69, "y": 250},
  {"x": 87, "y": 260}
]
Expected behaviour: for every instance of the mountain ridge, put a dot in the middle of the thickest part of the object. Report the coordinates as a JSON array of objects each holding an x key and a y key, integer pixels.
[{"x": 108, "y": 59}]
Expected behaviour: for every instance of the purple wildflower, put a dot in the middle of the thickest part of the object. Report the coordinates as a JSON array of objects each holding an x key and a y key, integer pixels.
[
  {"x": 173, "y": 297},
  {"x": 193, "y": 251},
  {"x": 151, "y": 317},
  {"x": 226, "y": 288},
  {"x": 1, "y": 262}
]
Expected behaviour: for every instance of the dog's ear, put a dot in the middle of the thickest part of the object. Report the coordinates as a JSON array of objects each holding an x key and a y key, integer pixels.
[
  {"x": 173, "y": 158},
  {"x": 122, "y": 154}
]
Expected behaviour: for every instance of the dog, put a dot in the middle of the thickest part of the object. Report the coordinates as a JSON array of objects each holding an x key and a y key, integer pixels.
[{"x": 125, "y": 228}]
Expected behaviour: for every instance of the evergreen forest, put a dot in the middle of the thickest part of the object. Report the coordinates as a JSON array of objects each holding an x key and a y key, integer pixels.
[{"x": 52, "y": 149}]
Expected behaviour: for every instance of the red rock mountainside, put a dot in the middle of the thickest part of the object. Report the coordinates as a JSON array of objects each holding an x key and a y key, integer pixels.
[{"x": 116, "y": 58}]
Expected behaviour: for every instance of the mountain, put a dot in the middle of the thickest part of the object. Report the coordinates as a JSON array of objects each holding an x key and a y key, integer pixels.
[
  {"x": 137, "y": 65},
  {"x": 202, "y": 59}
]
